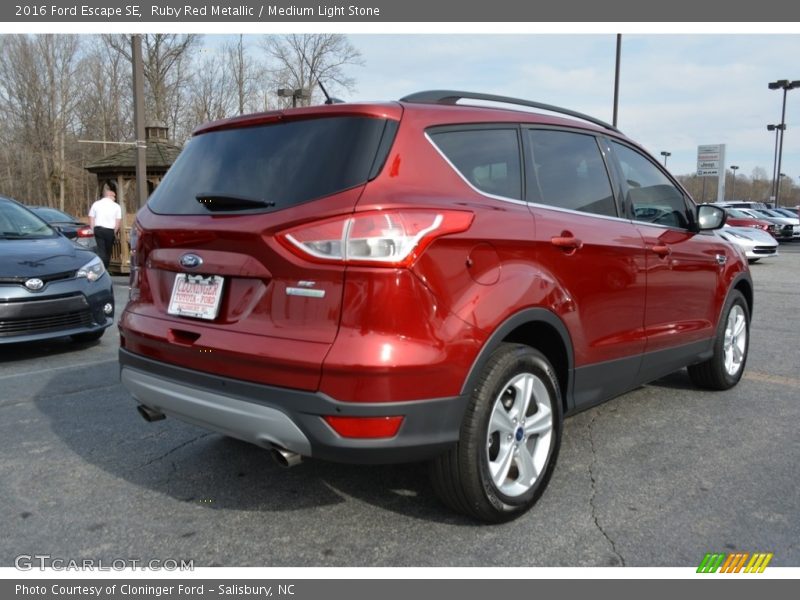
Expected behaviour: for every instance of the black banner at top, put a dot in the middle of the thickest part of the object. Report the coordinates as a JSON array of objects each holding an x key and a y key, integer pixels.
[{"x": 459, "y": 11}]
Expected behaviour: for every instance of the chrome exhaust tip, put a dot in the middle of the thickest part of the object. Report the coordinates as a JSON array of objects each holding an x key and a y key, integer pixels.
[
  {"x": 285, "y": 458},
  {"x": 150, "y": 414}
]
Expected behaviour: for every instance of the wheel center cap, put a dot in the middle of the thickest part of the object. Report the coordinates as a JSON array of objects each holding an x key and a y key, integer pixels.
[{"x": 519, "y": 434}]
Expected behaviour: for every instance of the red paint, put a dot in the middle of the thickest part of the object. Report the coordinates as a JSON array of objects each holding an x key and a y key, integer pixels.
[{"x": 412, "y": 329}]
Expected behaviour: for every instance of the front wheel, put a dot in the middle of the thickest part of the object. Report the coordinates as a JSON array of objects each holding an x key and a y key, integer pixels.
[
  {"x": 509, "y": 439},
  {"x": 724, "y": 369}
]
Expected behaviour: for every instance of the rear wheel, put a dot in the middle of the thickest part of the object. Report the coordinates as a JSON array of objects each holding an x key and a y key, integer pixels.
[
  {"x": 509, "y": 439},
  {"x": 724, "y": 369}
]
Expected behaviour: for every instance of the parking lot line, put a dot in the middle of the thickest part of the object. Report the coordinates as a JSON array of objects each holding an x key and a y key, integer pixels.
[
  {"x": 90, "y": 363},
  {"x": 776, "y": 379}
]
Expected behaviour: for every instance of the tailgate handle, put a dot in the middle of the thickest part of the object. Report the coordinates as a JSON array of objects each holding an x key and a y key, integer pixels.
[{"x": 182, "y": 337}]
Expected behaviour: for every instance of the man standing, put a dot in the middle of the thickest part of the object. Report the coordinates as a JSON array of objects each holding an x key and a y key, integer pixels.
[{"x": 105, "y": 217}]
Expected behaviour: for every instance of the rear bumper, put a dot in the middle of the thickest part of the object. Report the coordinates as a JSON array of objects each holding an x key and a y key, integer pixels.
[{"x": 267, "y": 415}]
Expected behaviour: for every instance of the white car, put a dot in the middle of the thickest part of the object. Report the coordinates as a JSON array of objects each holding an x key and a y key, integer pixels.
[{"x": 755, "y": 243}]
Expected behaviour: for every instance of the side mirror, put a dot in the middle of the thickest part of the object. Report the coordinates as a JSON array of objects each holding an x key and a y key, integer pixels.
[{"x": 710, "y": 217}]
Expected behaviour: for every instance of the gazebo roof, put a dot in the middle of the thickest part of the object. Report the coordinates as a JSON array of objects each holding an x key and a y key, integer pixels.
[{"x": 158, "y": 155}]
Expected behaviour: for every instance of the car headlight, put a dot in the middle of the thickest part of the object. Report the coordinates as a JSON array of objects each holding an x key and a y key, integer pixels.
[
  {"x": 737, "y": 235},
  {"x": 93, "y": 270}
]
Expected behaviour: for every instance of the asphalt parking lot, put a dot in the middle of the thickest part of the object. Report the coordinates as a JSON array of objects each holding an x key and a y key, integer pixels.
[{"x": 657, "y": 477}]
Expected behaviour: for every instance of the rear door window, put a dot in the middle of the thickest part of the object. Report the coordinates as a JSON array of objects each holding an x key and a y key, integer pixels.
[
  {"x": 567, "y": 170},
  {"x": 487, "y": 158},
  {"x": 269, "y": 167}
]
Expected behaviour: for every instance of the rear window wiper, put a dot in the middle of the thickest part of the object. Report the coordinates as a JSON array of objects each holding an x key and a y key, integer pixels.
[{"x": 229, "y": 202}]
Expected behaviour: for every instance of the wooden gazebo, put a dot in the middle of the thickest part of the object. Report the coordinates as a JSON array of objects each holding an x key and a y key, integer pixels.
[{"x": 120, "y": 168}]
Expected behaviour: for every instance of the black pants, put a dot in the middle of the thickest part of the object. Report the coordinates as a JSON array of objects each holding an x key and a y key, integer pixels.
[{"x": 105, "y": 242}]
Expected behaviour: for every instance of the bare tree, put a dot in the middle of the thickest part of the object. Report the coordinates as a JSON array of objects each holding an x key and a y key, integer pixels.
[
  {"x": 39, "y": 92},
  {"x": 212, "y": 94},
  {"x": 107, "y": 106},
  {"x": 302, "y": 61},
  {"x": 247, "y": 75},
  {"x": 165, "y": 71}
]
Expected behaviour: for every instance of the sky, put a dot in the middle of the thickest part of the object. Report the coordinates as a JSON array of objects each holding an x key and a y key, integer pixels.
[{"x": 676, "y": 91}]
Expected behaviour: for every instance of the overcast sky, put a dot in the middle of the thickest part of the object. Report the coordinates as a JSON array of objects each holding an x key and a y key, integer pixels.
[{"x": 676, "y": 91}]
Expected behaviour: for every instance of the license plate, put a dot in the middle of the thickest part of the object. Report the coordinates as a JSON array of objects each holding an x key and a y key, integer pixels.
[{"x": 196, "y": 296}]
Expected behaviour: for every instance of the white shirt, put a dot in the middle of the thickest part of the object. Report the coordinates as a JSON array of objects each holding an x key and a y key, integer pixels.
[{"x": 105, "y": 213}]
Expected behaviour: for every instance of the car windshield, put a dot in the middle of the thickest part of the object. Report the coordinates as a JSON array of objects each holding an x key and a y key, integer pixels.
[
  {"x": 19, "y": 223},
  {"x": 737, "y": 214}
]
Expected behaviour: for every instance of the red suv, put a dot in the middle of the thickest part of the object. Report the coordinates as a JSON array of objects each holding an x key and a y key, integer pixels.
[{"x": 423, "y": 280}]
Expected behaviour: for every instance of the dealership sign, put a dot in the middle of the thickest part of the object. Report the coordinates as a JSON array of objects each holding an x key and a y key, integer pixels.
[
  {"x": 711, "y": 163},
  {"x": 710, "y": 160}
]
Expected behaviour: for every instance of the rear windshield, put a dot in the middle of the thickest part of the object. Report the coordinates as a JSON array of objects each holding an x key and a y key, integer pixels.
[{"x": 275, "y": 166}]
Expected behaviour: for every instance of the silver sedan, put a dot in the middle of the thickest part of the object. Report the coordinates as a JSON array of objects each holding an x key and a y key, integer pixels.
[{"x": 755, "y": 243}]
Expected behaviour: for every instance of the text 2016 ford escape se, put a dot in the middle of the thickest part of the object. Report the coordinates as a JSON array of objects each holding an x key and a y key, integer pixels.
[{"x": 423, "y": 280}]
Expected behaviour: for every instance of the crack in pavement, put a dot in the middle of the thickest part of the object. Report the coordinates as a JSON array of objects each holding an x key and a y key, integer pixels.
[
  {"x": 173, "y": 450},
  {"x": 594, "y": 490}
]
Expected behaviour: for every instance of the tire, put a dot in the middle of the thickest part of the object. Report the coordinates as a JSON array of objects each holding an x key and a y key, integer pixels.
[
  {"x": 88, "y": 337},
  {"x": 724, "y": 369},
  {"x": 500, "y": 466},
  {"x": 753, "y": 261}
]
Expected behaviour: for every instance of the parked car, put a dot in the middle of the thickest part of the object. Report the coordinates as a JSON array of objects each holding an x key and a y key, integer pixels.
[
  {"x": 786, "y": 212},
  {"x": 755, "y": 243},
  {"x": 423, "y": 280},
  {"x": 49, "y": 286},
  {"x": 785, "y": 226},
  {"x": 68, "y": 225},
  {"x": 743, "y": 204},
  {"x": 738, "y": 218},
  {"x": 791, "y": 216}
]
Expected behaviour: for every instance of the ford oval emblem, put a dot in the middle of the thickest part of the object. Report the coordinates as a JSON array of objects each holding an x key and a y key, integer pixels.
[
  {"x": 34, "y": 284},
  {"x": 191, "y": 261}
]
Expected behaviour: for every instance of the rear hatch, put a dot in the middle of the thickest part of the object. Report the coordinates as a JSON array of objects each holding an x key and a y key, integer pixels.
[{"x": 212, "y": 287}]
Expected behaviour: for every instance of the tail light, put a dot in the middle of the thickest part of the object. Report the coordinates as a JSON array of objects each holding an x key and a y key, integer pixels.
[
  {"x": 391, "y": 238},
  {"x": 85, "y": 232}
]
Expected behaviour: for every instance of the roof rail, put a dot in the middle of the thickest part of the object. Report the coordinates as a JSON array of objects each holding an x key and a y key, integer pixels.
[{"x": 452, "y": 97}]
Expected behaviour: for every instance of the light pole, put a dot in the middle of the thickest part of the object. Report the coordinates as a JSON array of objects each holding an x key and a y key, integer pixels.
[
  {"x": 734, "y": 168},
  {"x": 777, "y": 198},
  {"x": 616, "y": 78},
  {"x": 777, "y": 129},
  {"x": 785, "y": 85},
  {"x": 665, "y": 154}
]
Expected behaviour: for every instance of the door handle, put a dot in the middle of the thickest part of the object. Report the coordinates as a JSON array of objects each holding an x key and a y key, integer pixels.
[
  {"x": 568, "y": 243},
  {"x": 662, "y": 250}
]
